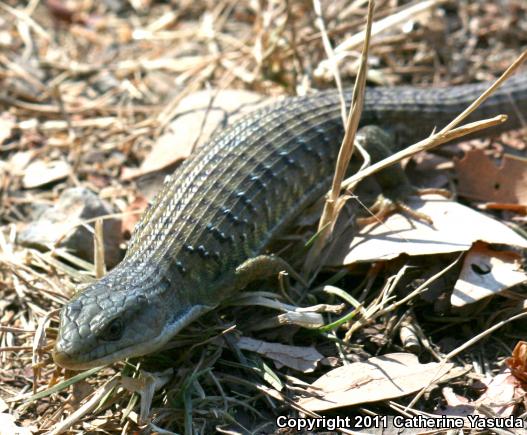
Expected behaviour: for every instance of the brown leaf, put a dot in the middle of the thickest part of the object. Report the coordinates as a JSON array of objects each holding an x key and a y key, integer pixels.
[
  {"x": 196, "y": 118},
  {"x": 40, "y": 173},
  {"x": 378, "y": 378},
  {"x": 480, "y": 179},
  {"x": 518, "y": 361},
  {"x": 8, "y": 426},
  {"x": 7, "y": 125},
  {"x": 456, "y": 228},
  {"x": 132, "y": 214},
  {"x": 60, "y": 11},
  {"x": 500, "y": 394},
  {"x": 515, "y": 208},
  {"x": 457, "y": 405},
  {"x": 301, "y": 358},
  {"x": 486, "y": 272}
]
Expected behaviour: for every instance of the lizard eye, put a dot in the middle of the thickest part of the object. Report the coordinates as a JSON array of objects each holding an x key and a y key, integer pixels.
[{"x": 113, "y": 332}]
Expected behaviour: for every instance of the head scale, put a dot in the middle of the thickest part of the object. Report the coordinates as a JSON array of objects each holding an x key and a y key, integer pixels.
[{"x": 123, "y": 315}]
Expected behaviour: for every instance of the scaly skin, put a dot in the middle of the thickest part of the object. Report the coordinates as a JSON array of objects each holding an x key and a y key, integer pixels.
[{"x": 193, "y": 246}]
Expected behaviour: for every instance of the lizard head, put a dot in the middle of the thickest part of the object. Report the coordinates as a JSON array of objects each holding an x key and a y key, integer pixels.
[{"x": 118, "y": 317}]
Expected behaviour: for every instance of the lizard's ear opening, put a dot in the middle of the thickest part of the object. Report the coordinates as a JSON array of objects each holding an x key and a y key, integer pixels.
[{"x": 112, "y": 332}]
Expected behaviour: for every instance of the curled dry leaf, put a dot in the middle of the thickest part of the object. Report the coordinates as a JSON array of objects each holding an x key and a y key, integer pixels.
[
  {"x": 378, "y": 378},
  {"x": 145, "y": 386},
  {"x": 301, "y": 358},
  {"x": 456, "y": 228},
  {"x": 410, "y": 337},
  {"x": 500, "y": 394},
  {"x": 506, "y": 183},
  {"x": 518, "y": 361},
  {"x": 486, "y": 272},
  {"x": 61, "y": 11},
  {"x": 514, "y": 208},
  {"x": 498, "y": 398},
  {"x": 456, "y": 405}
]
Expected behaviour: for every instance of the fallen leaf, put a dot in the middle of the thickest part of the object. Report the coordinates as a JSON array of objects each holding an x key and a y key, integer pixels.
[
  {"x": 499, "y": 398},
  {"x": 61, "y": 225},
  {"x": 9, "y": 427},
  {"x": 169, "y": 149},
  {"x": 500, "y": 393},
  {"x": 518, "y": 361},
  {"x": 515, "y": 208},
  {"x": 506, "y": 183},
  {"x": 301, "y": 358},
  {"x": 486, "y": 272},
  {"x": 457, "y": 406},
  {"x": 19, "y": 161},
  {"x": 456, "y": 228},
  {"x": 196, "y": 118},
  {"x": 145, "y": 386},
  {"x": 132, "y": 213},
  {"x": 7, "y": 125},
  {"x": 378, "y": 378},
  {"x": 61, "y": 11},
  {"x": 40, "y": 173}
]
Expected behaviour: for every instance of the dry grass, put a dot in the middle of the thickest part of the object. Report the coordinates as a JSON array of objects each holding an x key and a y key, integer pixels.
[{"x": 96, "y": 83}]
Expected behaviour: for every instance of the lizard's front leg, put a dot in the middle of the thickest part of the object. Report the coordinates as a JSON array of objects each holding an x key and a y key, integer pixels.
[{"x": 263, "y": 266}]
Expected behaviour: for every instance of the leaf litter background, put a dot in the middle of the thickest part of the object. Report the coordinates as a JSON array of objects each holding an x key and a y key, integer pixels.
[{"x": 111, "y": 96}]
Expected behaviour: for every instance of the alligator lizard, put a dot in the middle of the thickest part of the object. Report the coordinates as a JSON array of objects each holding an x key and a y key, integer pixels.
[{"x": 204, "y": 235}]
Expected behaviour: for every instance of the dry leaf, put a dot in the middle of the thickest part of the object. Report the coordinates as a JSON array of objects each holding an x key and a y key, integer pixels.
[
  {"x": 132, "y": 213},
  {"x": 40, "y": 173},
  {"x": 197, "y": 117},
  {"x": 501, "y": 390},
  {"x": 145, "y": 386},
  {"x": 169, "y": 149},
  {"x": 457, "y": 406},
  {"x": 498, "y": 398},
  {"x": 456, "y": 228},
  {"x": 486, "y": 272},
  {"x": 506, "y": 183},
  {"x": 379, "y": 378},
  {"x": 61, "y": 11},
  {"x": 19, "y": 161},
  {"x": 9, "y": 427},
  {"x": 518, "y": 361},
  {"x": 301, "y": 358},
  {"x": 7, "y": 125},
  {"x": 515, "y": 208}
]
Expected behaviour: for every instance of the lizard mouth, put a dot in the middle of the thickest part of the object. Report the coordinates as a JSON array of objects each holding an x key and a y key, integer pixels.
[
  {"x": 90, "y": 359},
  {"x": 64, "y": 360}
]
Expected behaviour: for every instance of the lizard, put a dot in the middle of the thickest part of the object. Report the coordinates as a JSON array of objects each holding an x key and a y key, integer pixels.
[{"x": 205, "y": 234}]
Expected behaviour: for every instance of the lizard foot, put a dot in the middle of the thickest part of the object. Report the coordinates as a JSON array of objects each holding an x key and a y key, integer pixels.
[
  {"x": 395, "y": 186},
  {"x": 384, "y": 206}
]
